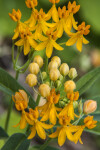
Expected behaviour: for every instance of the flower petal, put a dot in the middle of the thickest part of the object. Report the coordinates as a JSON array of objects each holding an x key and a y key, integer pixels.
[
  {"x": 57, "y": 46},
  {"x": 62, "y": 137},
  {"x": 55, "y": 13},
  {"x": 85, "y": 41},
  {"x": 49, "y": 49},
  {"x": 23, "y": 121},
  {"x": 72, "y": 41},
  {"x": 40, "y": 131},
  {"x": 20, "y": 42},
  {"x": 79, "y": 43},
  {"x": 46, "y": 126},
  {"x": 52, "y": 115},
  {"x": 60, "y": 29},
  {"x": 41, "y": 46},
  {"x": 32, "y": 42},
  {"x": 55, "y": 134},
  {"x": 33, "y": 133},
  {"x": 26, "y": 47}
]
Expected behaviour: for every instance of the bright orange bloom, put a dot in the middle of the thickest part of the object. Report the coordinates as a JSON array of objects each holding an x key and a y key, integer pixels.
[
  {"x": 16, "y": 15},
  {"x": 69, "y": 109},
  {"x": 54, "y": 1},
  {"x": 89, "y": 122},
  {"x": 26, "y": 40},
  {"x": 49, "y": 110},
  {"x": 49, "y": 42},
  {"x": 21, "y": 103},
  {"x": 78, "y": 37},
  {"x": 31, "y": 3}
]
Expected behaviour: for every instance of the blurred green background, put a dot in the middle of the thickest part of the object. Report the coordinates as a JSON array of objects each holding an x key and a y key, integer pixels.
[{"x": 85, "y": 61}]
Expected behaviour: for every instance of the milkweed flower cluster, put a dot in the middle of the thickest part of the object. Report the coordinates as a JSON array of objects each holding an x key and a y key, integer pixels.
[
  {"x": 42, "y": 30},
  {"x": 61, "y": 115},
  {"x": 52, "y": 114}
]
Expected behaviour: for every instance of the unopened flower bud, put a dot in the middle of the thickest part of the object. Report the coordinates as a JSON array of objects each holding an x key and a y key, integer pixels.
[
  {"x": 64, "y": 69},
  {"x": 72, "y": 73},
  {"x": 61, "y": 104},
  {"x": 48, "y": 83},
  {"x": 75, "y": 104},
  {"x": 31, "y": 80},
  {"x": 69, "y": 86},
  {"x": 39, "y": 60},
  {"x": 80, "y": 107},
  {"x": 89, "y": 106},
  {"x": 44, "y": 75},
  {"x": 58, "y": 83},
  {"x": 34, "y": 68},
  {"x": 44, "y": 90},
  {"x": 61, "y": 77},
  {"x": 56, "y": 59},
  {"x": 52, "y": 65},
  {"x": 54, "y": 74}
]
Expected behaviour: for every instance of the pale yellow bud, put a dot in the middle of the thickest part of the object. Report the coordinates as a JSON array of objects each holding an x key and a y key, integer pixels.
[
  {"x": 34, "y": 68},
  {"x": 39, "y": 60},
  {"x": 52, "y": 65},
  {"x": 31, "y": 80},
  {"x": 72, "y": 73},
  {"x": 44, "y": 90},
  {"x": 44, "y": 75},
  {"x": 89, "y": 106},
  {"x": 64, "y": 69},
  {"x": 54, "y": 74},
  {"x": 56, "y": 59},
  {"x": 69, "y": 86}
]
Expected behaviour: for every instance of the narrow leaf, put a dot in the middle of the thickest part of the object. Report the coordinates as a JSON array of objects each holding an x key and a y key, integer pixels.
[{"x": 3, "y": 134}]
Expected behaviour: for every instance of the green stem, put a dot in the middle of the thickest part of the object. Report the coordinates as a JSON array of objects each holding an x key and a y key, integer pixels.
[
  {"x": 45, "y": 144},
  {"x": 77, "y": 121},
  {"x": 46, "y": 64},
  {"x": 10, "y": 108},
  {"x": 38, "y": 100},
  {"x": 12, "y": 51}
]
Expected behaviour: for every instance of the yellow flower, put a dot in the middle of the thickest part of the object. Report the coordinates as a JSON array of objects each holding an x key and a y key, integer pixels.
[
  {"x": 66, "y": 130},
  {"x": 49, "y": 42},
  {"x": 49, "y": 110},
  {"x": 78, "y": 37},
  {"x": 72, "y": 9},
  {"x": 37, "y": 126},
  {"x": 69, "y": 109},
  {"x": 40, "y": 18},
  {"x": 21, "y": 103},
  {"x": 26, "y": 40},
  {"x": 89, "y": 122},
  {"x": 16, "y": 15},
  {"x": 31, "y": 3},
  {"x": 53, "y": 11}
]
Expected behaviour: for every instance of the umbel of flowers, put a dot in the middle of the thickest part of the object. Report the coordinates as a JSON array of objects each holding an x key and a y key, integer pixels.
[
  {"x": 59, "y": 109},
  {"x": 42, "y": 29},
  {"x": 55, "y": 82}
]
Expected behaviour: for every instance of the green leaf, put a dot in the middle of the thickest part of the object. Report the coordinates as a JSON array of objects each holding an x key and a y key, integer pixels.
[
  {"x": 3, "y": 134},
  {"x": 37, "y": 147},
  {"x": 84, "y": 83},
  {"x": 17, "y": 141},
  {"x": 9, "y": 85}
]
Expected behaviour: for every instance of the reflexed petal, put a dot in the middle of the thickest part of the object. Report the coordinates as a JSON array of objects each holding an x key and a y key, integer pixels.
[
  {"x": 57, "y": 46},
  {"x": 44, "y": 27},
  {"x": 74, "y": 23},
  {"x": 15, "y": 36},
  {"x": 46, "y": 126},
  {"x": 16, "y": 125},
  {"x": 23, "y": 121},
  {"x": 41, "y": 46},
  {"x": 51, "y": 25},
  {"x": 62, "y": 137},
  {"x": 40, "y": 131},
  {"x": 55, "y": 14},
  {"x": 60, "y": 29},
  {"x": 42, "y": 38},
  {"x": 45, "y": 116},
  {"x": 55, "y": 134},
  {"x": 52, "y": 115},
  {"x": 49, "y": 49},
  {"x": 26, "y": 47},
  {"x": 32, "y": 134},
  {"x": 69, "y": 22},
  {"x": 72, "y": 41},
  {"x": 85, "y": 41},
  {"x": 20, "y": 42},
  {"x": 79, "y": 43},
  {"x": 32, "y": 42}
]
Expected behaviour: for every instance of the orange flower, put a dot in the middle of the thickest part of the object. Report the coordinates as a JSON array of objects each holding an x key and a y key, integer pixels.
[
  {"x": 78, "y": 37},
  {"x": 16, "y": 15},
  {"x": 49, "y": 110},
  {"x": 31, "y": 3}
]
